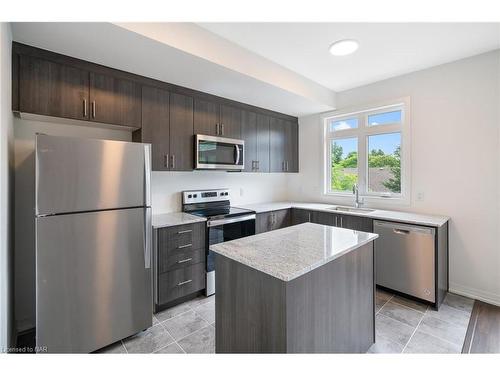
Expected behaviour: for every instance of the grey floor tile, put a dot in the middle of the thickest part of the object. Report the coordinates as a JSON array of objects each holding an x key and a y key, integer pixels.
[
  {"x": 173, "y": 311},
  {"x": 459, "y": 302},
  {"x": 443, "y": 330},
  {"x": 206, "y": 311},
  {"x": 379, "y": 303},
  {"x": 170, "y": 349},
  {"x": 419, "y": 306},
  {"x": 116, "y": 348},
  {"x": 184, "y": 324},
  {"x": 424, "y": 343},
  {"x": 383, "y": 295},
  {"x": 200, "y": 301},
  {"x": 450, "y": 315},
  {"x": 148, "y": 341},
  {"x": 402, "y": 313},
  {"x": 202, "y": 341},
  {"x": 392, "y": 329},
  {"x": 155, "y": 320},
  {"x": 384, "y": 345}
]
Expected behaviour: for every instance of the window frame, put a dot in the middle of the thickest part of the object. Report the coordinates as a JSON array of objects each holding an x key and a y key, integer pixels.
[{"x": 362, "y": 132}]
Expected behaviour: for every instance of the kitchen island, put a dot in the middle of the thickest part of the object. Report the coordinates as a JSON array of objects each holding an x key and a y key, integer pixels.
[{"x": 308, "y": 288}]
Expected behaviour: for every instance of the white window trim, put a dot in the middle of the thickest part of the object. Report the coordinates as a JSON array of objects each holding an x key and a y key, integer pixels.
[{"x": 361, "y": 134}]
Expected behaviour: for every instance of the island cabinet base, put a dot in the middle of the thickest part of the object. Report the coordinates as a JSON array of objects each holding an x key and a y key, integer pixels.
[{"x": 327, "y": 310}]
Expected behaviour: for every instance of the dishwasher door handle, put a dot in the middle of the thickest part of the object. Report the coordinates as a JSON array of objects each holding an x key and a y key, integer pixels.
[{"x": 401, "y": 231}]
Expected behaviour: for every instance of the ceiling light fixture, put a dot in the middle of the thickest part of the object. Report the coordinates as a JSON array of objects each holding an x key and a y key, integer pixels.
[{"x": 344, "y": 47}]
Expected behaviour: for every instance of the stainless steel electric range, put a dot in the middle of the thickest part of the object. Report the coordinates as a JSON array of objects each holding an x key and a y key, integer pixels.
[{"x": 224, "y": 222}]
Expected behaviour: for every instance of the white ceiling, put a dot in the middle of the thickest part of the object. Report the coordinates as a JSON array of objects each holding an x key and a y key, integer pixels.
[{"x": 386, "y": 49}]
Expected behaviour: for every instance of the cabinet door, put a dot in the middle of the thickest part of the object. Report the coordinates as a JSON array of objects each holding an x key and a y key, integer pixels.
[
  {"x": 277, "y": 145},
  {"x": 300, "y": 216},
  {"x": 363, "y": 224},
  {"x": 155, "y": 125},
  {"x": 281, "y": 219},
  {"x": 206, "y": 117},
  {"x": 324, "y": 218},
  {"x": 181, "y": 133},
  {"x": 115, "y": 101},
  {"x": 291, "y": 146},
  {"x": 249, "y": 135},
  {"x": 262, "y": 143},
  {"x": 263, "y": 222},
  {"x": 230, "y": 122},
  {"x": 51, "y": 89}
]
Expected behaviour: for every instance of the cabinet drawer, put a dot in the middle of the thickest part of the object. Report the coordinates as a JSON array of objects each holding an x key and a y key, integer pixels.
[
  {"x": 181, "y": 282},
  {"x": 189, "y": 236},
  {"x": 180, "y": 258}
]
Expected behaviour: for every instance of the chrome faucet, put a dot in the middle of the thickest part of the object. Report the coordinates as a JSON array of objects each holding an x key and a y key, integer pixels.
[{"x": 358, "y": 202}]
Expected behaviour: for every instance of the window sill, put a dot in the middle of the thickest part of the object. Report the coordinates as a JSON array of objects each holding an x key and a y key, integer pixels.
[{"x": 370, "y": 201}]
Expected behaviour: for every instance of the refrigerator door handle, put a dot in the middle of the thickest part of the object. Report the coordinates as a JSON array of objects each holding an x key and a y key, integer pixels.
[
  {"x": 148, "y": 237},
  {"x": 147, "y": 175}
]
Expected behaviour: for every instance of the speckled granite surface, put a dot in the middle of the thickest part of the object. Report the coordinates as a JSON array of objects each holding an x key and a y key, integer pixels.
[
  {"x": 293, "y": 251},
  {"x": 174, "y": 218},
  {"x": 399, "y": 216}
]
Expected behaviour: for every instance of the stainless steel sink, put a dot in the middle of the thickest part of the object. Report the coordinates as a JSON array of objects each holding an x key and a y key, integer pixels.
[{"x": 351, "y": 209}]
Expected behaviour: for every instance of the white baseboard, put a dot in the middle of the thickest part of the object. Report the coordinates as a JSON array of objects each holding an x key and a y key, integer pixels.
[{"x": 491, "y": 298}]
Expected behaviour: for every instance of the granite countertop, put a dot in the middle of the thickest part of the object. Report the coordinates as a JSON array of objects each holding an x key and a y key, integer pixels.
[
  {"x": 175, "y": 218},
  {"x": 293, "y": 251},
  {"x": 399, "y": 216}
]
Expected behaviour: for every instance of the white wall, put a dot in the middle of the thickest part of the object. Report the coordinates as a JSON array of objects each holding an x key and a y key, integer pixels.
[
  {"x": 455, "y": 124},
  {"x": 6, "y": 192},
  {"x": 245, "y": 187},
  {"x": 24, "y": 203}
]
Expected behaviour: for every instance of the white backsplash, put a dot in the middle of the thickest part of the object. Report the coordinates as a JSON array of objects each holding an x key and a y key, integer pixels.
[{"x": 245, "y": 188}]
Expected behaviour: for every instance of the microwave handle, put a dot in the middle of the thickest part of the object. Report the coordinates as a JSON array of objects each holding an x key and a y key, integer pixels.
[{"x": 237, "y": 154}]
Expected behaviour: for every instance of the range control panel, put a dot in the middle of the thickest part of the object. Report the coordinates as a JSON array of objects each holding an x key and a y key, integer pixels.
[{"x": 201, "y": 196}]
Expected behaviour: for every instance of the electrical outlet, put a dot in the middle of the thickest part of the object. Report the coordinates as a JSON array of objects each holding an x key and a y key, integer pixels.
[
  {"x": 241, "y": 192},
  {"x": 420, "y": 196}
]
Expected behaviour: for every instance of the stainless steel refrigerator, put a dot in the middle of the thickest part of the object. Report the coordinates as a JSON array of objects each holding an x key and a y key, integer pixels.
[{"x": 93, "y": 242}]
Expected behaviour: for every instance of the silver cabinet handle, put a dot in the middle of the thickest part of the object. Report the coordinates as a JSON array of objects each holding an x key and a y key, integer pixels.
[
  {"x": 287, "y": 166},
  {"x": 184, "y": 231},
  {"x": 341, "y": 222},
  {"x": 309, "y": 217},
  {"x": 165, "y": 160},
  {"x": 93, "y": 109},
  {"x": 258, "y": 164},
  {"x": 184, "y": 246},
  {"x": 172, "y": 166},
  {"x": 336, "y": 221},
  {"x": 221, "y": 129},
  {"x": 185, "y": 260},
  {"x": 217, "y": 129},
  {"x": 184, "y": 282},
  {"x": 84, "y": 107}
]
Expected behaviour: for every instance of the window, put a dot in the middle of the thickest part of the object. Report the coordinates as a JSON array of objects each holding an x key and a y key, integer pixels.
[{"x": 368, "y": 148}]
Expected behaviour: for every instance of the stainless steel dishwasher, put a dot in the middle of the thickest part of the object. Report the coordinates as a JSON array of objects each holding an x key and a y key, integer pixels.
[{"x": 405, "y": 258}]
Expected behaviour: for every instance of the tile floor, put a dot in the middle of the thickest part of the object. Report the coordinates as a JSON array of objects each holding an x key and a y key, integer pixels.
[{"x": 401, "y": 325}]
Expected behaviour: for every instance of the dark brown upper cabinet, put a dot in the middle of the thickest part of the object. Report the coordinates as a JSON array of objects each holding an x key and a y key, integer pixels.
[
  {"x": 255, "y": 133},
  {"x": 230, "y": 122},
  {"x": 156, "y": 126},
  {"x": 52, "y": 89},
  {"x": 167, "y": 123},
  {"x": 114, "y": 100},
  {"x": 181, "y": 133},
  {"x": 284, "y": 145},
  {"x": 212, "y": 118}
]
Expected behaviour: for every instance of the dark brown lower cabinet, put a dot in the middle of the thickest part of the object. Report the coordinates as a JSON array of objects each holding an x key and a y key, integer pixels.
[
  {"x": 179, "y": 262},
  {"x": 300, "y": 216},
  {"x": 363, "y": 224},
  {"x": 267, "y": 221}
]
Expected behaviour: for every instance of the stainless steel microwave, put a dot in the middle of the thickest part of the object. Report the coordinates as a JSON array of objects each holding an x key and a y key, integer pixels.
[{"x": 219, "y": 153}]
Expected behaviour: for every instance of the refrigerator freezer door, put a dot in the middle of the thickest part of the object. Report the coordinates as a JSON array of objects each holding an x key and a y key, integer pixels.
[
  {"x": 77, "y": 174},
  {"x": 93, "y": 283}
]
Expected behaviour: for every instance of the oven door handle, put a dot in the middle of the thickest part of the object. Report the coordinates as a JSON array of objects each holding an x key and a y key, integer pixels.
[{"x": 215, "y": 223}]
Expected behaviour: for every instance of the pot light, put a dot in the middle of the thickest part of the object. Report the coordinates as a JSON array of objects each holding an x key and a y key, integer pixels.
[{"x": 344, "y": 47}]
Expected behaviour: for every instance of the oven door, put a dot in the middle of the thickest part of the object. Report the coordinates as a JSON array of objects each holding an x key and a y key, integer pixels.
[
  {"x": 221, "y": 231},
  {"x": 219, "y": 153}
]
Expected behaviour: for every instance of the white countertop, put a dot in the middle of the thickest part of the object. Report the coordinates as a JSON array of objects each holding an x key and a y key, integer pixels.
[
  {"x": 293, "y": 251},
  {"x": 175, "y": 218},
  {"x": 399, "y": 216}
]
